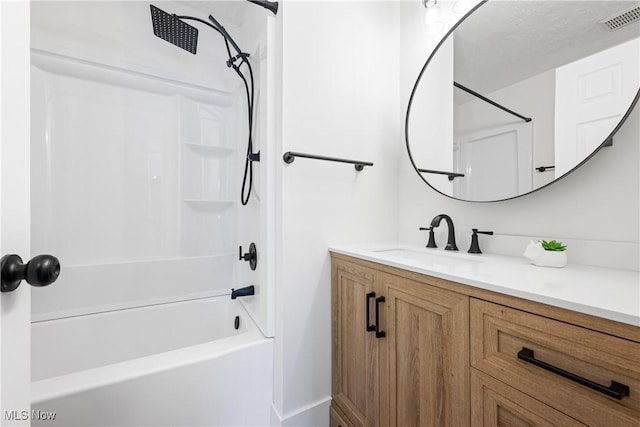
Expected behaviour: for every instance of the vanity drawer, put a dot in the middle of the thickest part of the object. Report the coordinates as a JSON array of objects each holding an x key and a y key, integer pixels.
[
  {"x": 494, "y": 403},
  {"x": 499, "y": 333}
]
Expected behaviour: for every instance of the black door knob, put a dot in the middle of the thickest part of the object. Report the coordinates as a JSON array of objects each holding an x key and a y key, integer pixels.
[{"x": 41, "y": 270}]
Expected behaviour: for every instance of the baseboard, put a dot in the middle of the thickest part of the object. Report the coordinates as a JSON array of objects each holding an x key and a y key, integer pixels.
[{"x": 314, "y": 415}]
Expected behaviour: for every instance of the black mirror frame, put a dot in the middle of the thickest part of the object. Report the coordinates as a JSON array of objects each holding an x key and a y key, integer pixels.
[{"x": 607, "y": 140}]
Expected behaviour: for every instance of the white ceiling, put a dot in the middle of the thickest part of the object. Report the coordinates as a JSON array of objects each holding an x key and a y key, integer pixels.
[{"x": 504, "y": 42}]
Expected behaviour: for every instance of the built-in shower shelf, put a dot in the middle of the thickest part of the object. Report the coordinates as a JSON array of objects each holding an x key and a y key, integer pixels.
[
  {"x": 207, "y": 204},
  {"x": 209, "y": 150}
]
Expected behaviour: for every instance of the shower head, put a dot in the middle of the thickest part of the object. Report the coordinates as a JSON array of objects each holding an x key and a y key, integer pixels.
[
  {"x": 271, "y": 5},
  {"x": 170, "y": 28}
]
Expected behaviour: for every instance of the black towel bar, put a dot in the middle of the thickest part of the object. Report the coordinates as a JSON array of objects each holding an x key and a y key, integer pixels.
[
  {"x": 450, "y": 175},
  {"x": 290, "y": 156}
]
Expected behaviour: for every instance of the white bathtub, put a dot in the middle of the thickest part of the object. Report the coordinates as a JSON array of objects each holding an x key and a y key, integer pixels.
[{"x": 178, "y": 364}]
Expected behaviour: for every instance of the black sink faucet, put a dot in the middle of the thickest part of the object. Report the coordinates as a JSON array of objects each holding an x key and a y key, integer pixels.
[{"x": 451, "y": 239}]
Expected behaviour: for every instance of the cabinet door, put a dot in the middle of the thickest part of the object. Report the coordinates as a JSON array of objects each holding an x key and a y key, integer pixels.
[
  {"x": 494, "y": 404},
  {"x": 425, "y": 355},
  {"x": 355, "y": 350}
]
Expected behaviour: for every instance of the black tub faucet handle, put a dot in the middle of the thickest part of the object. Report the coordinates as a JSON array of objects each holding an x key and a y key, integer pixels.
[{"x": 251, "y": 256}]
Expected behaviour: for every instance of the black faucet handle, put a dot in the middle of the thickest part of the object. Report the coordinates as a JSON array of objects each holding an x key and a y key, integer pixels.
[
  {"x": 475, "y": 246},
  {"x": 251, "y": 256},
  {"x": 432, "y": 238},
  {"x": 475, "y": 231}
]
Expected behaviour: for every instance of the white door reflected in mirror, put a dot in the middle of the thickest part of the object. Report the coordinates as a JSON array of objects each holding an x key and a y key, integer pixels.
[{"x": 592, "y": 96}]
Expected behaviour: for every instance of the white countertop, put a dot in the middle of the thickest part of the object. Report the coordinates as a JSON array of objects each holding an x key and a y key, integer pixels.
[{"x": 609, "y": 293}]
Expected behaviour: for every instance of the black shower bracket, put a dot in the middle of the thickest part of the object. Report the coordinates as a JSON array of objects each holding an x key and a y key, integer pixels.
[
  {"x": 231, "y": 62},
  {"x": 254, "y": 157}
]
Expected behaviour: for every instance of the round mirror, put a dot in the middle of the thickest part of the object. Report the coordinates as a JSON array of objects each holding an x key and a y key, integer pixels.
[{"x": 520, "y": 93}]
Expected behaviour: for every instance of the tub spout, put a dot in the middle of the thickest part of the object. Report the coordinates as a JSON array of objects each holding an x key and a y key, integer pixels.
[{"x": 242, "y": 292}]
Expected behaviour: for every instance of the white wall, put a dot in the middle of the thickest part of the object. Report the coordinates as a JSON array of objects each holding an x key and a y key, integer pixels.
[
  {"x": 597, "y": 203},
  {"x": 339, "y": 98},
  {"x": 431, "y": 129}
]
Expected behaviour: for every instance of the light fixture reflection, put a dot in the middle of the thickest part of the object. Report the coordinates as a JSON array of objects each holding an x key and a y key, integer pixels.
[{"x": 429, "y": 3}]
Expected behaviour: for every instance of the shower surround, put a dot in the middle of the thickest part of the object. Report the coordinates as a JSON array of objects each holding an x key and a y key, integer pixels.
[{"x": 137, "y": 157}]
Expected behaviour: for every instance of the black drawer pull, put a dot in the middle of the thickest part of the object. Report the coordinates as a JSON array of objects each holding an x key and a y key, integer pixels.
[
  {"x": 615, "y": 390},
  {"x": 370, "y": 326},
  {"x": 379, "y": 333}
]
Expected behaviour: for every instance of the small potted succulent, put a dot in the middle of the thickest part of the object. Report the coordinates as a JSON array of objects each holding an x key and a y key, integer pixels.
[{"x": 547, "y": 253}]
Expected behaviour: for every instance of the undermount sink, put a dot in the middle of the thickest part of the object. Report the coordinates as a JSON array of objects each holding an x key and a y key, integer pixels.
[{"x": 430, "y": 257}]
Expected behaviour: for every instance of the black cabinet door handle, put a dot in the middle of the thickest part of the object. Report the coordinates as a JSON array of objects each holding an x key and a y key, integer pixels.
[
  {"x": 370, "y": 326},
  {"x": 379, "y": 333},
  {"x": 615, "y": 390}
]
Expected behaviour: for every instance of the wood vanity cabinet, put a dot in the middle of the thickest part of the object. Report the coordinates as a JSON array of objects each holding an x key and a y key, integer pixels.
[
  {"x": 400, "y": 350},
  {"x": 447, "y": 354}
]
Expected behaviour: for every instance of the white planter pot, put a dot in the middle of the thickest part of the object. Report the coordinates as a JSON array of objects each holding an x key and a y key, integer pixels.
[
  {"x": 552, "y": 259},
  {"x": 543, "y": 258}
]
